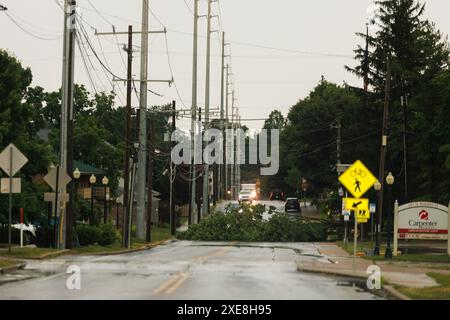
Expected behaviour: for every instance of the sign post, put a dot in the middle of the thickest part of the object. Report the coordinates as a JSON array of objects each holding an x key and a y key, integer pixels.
[
  {"x": 395, "y": 229},
  {"x": 11, "y": 161},
  {"x": 357, "y": 179},
  {"x": 57, "y": 180}
]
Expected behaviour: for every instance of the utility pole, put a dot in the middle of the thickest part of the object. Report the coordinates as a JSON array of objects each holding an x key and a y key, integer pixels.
[
  {"x": 227, "y": 93},
  {"x": 233, "y": 196},
  {"x": 126, "y": 200},
  {"x": 222, "y": 116},
  {"x": 173, "y": 176},
  {"x": 339, "y": 140},
  {"x": 193, "y": 203},
  {"x": 207, "y": 97},
  {"x": 142, "y": 154},
  {"x": 404, "y": 103},
  {"x": 66, "y": 142},
  {"x": 384, "y": 142},
  {"x": 150, "y": 182},
  {"x": 199, "y": 123}
]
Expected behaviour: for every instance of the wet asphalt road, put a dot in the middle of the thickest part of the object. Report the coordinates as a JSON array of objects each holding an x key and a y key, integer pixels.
[{"x": 185, "y": 270}]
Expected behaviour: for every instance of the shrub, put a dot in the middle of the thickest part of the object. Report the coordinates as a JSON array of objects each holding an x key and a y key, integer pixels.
[
  {"x": 45, "y": 237},
  {"x": 103, "y": 235},
  {"x": 108, "y": 235},
  {"x": 88, "y": 235},
  {"x": 15, "y": 234}
]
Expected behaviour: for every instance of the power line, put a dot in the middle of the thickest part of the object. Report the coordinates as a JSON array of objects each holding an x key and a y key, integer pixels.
[{"x": 29, "y": 32}]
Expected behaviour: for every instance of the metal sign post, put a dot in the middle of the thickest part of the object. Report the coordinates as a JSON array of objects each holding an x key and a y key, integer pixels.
[
  {"x": 11, "y": 161},
  {"x": 357, "y": 179},
  {"x": 10, "y": 200}
]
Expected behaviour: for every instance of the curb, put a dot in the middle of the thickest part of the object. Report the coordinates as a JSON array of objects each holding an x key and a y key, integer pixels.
[
  {"x": 389, "y": 289},
  {"x": 395, "y": 293},
  {"x": 13, "y": 268},
  {"x": 116, "y": 253}
]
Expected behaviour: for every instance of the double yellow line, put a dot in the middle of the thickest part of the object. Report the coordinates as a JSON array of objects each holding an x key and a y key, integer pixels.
[{"x": 173, "y": 283}]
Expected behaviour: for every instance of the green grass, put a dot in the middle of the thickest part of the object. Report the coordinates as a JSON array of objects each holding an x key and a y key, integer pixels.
[
  {"x": 431, "y": 258},
  {"x": 441, "y": 292},
  {"x": 362, "y": 246},
  {"x": 27, "y": 253},
  {"x": 158, "y": 234},
  {"x": 5, "y": 263}
]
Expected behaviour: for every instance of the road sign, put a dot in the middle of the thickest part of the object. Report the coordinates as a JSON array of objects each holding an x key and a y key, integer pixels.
[
  {"x": 16, "y": 185},
  {"x": 352, "y": 204},
  {"x": 50, "y": 197},
  {"x": 363, "y": 215},
  {"x": 63, "y": 178},
  {"x": 358, "y": 179},
  {"x": 362, "y": 220},
  {"x": 347, "y": 218},
  {"x": 373, "y": 208},
  {"x": 18, "y": 160}
]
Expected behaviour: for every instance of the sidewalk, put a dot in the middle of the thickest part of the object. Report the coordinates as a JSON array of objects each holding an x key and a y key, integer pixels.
[{"x": 341, "y": 263}]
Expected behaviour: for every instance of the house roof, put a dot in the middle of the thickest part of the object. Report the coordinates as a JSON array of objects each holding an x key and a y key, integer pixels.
[{"x": 87, "y": 169}]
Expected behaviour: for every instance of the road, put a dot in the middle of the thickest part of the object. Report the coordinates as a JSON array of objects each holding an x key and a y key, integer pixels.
[{"x": 185, "y": 270}]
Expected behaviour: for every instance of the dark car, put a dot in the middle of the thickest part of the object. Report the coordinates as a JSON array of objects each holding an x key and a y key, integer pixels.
[
  {"x": 292, "y": 205},
  {"x": 276, "y": 195}
]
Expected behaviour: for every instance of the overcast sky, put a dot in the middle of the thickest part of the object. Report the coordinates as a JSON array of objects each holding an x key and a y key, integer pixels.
[{"x": 307, "y": 39}]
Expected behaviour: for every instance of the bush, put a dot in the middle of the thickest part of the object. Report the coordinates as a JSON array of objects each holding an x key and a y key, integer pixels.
[
  {"x": 248, "y": 226},
  {"x": 103, "y": 235},
  {"x": 15, "y": 234},
  {"x": 45, "y": 237},
  {"x": 108, "y": 235}
]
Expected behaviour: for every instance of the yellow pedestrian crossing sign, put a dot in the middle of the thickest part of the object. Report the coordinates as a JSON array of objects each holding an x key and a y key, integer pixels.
[
  {"x": 363, "y": 215},
  {"x": 362, "y": 220},
  {"x": 358, "y": 179}
]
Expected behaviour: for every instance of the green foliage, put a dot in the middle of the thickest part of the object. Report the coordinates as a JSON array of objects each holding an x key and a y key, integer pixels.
[
  {"x": 103, "y": 235},
  {"x": 15, "y": 235},
  {"x": 45, "y": 237},
  {"x": 248, "y": 226}
]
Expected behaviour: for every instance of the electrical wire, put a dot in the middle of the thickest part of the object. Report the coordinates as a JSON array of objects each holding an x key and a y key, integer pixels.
[{"x": 29, "y": 32}]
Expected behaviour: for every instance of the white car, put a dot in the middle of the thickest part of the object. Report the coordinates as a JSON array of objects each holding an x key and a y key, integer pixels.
[
  {"x": 26, "y": 228},
  {"x": 246, "y": 196}
]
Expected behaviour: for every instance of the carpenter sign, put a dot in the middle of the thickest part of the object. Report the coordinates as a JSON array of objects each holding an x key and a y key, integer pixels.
[{"x": 421, "y": 220}]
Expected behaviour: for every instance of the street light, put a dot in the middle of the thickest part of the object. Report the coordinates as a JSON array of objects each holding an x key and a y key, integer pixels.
[
  {"x": 92, "y": 180},
  {"x": 105, "y": 182},
  {"x": 76, "y": 176},
  {"x": 390, "y": 181},
  {"x": 376, "y": 251}
]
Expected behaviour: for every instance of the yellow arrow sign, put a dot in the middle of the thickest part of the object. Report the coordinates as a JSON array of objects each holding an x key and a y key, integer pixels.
[
  {"x": 358, "y": 179},
  {"x": 352, "y": 204}
]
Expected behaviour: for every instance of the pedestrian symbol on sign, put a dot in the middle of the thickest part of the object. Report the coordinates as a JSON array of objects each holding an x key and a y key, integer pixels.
[{"x": 357, "y": 185}]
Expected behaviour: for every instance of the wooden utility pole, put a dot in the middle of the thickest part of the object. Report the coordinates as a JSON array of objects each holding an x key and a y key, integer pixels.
[
  {"x": 126, "y": 199},
  {"x": 384, "y": 143},
  {"x": 173, "y": 175},
  {"x": 151, "y": 153},
  {"x": 67, "y": 119}
]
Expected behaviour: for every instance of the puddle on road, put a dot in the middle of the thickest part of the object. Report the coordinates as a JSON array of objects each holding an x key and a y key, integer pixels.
[{"x": 360, "y": 286}]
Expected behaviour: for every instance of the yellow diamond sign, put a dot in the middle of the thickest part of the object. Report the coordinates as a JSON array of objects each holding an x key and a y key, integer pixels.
[{"x": 358, "y": 179}]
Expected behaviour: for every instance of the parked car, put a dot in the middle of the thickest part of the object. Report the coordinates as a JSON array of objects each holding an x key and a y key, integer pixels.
[
  {"x": 292, "y": 205},
  {"x": 245, "y": 196},
  {"x": 276, "y": 195}
]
